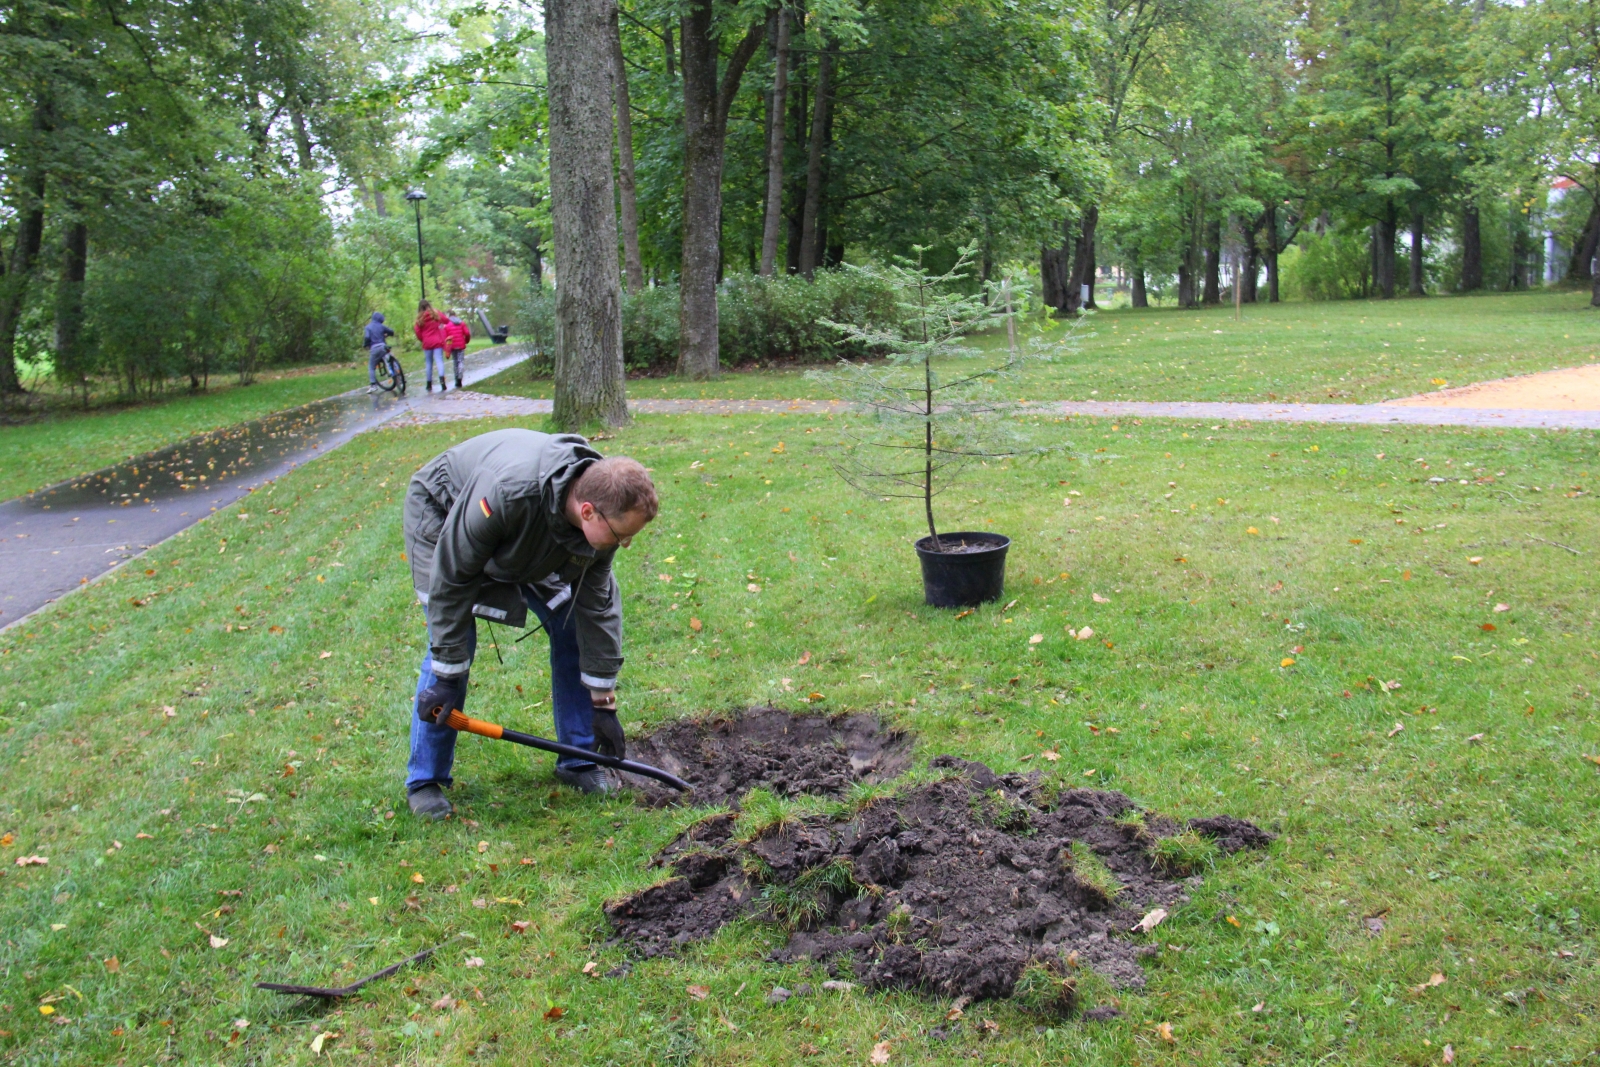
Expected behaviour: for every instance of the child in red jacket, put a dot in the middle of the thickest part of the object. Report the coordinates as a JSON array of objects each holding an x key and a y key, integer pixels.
[
  {"x": 459, "y": 334},
  {"x": 430, "y": 331}
]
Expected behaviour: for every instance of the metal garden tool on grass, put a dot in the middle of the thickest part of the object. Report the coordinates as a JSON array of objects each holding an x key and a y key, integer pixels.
[
  {"x": 331, "y": 992},
  {"x": 457, "y": 721}
]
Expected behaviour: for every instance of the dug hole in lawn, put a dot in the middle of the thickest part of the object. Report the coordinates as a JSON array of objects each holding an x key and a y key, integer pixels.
[{"x": 972, "y": 885}]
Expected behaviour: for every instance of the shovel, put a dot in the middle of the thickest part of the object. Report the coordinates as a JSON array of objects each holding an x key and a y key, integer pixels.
[{"x": 457, "y": 721}]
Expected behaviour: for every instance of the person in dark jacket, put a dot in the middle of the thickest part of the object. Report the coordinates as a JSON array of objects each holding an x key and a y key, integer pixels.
[
  {"x": 375, "y": 337},
  {"x": 501, "y": 525}
]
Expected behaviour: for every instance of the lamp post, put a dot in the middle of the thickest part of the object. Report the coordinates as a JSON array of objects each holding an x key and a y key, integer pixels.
[{"x": 417, "y": 196}]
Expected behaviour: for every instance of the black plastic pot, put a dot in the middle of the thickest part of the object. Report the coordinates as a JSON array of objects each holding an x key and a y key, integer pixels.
[{"x": 973, "y": 574}]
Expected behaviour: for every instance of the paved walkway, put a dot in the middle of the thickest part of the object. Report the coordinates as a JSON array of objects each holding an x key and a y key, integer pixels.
[
  {"x": 67, "y": 535},
  {"x": 469, "y": 405}
]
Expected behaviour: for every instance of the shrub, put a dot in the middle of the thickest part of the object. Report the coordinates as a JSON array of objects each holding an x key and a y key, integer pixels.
[{"x": 762, "y": 320}]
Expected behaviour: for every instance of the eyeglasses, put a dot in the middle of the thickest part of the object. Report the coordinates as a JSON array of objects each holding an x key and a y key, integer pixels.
[{"x": 622, "y": 542}]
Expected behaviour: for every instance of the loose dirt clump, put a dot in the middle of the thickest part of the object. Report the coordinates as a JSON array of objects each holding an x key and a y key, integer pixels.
[
  {"x": 767, "y": 748},
  {"x": 975, "y": 885}
]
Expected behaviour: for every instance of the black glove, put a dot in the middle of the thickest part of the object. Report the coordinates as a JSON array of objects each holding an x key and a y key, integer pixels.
[
  {"x": 609, "y": 739},
  {"x": 445, "y": 695}
]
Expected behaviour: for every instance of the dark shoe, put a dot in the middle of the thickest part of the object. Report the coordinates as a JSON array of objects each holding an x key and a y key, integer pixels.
[
  {"x": 429, "y": 802},
  {"x": 430, "y": 385},
  {"x": 458, "y": 381},
  {"x": 589, "y": 780},
  {"x": 441, "y": 384}
]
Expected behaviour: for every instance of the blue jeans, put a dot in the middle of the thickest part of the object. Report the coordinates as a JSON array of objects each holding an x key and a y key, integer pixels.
[
  {"x": 430, "y": 356},
  {"x": 455, "y": 360},
  {"x": 433, "y": 748},
  {"x": 375, "y": 356}
]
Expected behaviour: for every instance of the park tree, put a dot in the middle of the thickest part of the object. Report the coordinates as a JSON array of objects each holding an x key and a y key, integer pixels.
[{"x": 581, "y": 61}]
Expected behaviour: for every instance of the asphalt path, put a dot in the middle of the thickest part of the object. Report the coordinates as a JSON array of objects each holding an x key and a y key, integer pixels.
[{"x": 65, "y": 536}]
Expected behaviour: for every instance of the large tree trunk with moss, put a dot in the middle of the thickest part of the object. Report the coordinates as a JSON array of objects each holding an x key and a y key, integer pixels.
[
  {"x": 627, "y": 200},
  {"x": 705, "y": 123},
  {"x": 589, "y": 384}
]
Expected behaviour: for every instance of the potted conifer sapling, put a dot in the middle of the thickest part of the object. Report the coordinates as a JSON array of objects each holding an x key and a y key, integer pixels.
[{"x": 925, "y": 416}]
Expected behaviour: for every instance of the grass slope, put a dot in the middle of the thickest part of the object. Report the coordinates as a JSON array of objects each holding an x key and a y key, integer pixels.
[
  {"x": 207, "y": 746},
  {"x": 57, "y": 447},
  {"x": 1346, "y": 352}
]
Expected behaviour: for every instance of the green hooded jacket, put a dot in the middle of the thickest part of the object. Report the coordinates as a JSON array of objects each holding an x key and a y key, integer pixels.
[{"x": 484, "y": 520}]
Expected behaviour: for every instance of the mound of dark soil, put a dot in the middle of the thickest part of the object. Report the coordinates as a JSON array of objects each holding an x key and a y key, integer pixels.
[
  {"x": 953, "y": 888},
  {"x": 770, "y": 749}
]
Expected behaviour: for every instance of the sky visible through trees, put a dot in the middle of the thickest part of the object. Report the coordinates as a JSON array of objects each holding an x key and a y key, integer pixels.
[{"x": 200, "y": 187}]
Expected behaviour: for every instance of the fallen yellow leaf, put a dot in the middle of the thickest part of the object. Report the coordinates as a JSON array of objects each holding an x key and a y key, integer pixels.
[
  {"x": 417, "y": 878},
  {"x": 1436, "y": 979},
  {"x": 1286, "y": 662},
  {"x": 880, "y": 1053},
  {"x": 1164, "y": 1032}
]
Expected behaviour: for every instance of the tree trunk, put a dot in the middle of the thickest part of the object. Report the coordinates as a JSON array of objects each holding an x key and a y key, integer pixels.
[
  {"x": 1582, "y": 266},
  {"x": 1272, "y": 250},
  {"x": 1471, "y": 249},
  {"x": 775, "y": 131},
  {"x": 705, "y": 123},
  {"x": 589, "y": 383},
  {"x": 1140, "y": 299},
  {"x": 632, "y": 264},
  {"x": 1213, "y": 293},
  {"x": 1083, "y": 266},
  {"x": 819, "y": 133},
  {"x": 1252, "y": 263},
  {"x": 1417, "y": 221},
  {"x": 1070, "y": 293},
  {"x": 799, "y": 116},
  {"x": 698, "y": 352},
  {"x": 1052, "y": 277},
  {"x": 302, "y": 139},
  {"x": 1383, "y": 235},
  {"x": 70, "y": 362},
  {"x": 14, "y": 283}
]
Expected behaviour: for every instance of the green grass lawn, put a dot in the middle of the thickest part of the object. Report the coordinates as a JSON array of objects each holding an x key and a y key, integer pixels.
[
  {"x": 208, "y": 745},
  {"x": 47, "y": 450},
  {"x": 1354, "y": 352}
]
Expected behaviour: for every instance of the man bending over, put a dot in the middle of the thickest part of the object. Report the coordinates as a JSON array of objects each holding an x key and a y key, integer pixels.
[{"x": 505, "y": 523}]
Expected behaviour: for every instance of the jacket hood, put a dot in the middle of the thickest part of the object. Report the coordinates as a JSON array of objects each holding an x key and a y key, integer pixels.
[
  {"x": 569, "y": 456},
  {"x": 377, "y": 316}
]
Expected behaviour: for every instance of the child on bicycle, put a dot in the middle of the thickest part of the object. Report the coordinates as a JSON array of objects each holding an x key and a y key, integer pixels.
[{"x": 375, "y": 338}]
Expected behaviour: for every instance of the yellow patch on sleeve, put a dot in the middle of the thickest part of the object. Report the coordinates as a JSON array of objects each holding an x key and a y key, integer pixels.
[{"x": 483, "y": 502}]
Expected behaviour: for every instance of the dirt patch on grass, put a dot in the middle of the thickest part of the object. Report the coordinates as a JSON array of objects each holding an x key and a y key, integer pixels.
[
  {"x": 977, "y": 885},
  {"x": 768, "y": 748},
  {"x": 1568, "y": 389}
]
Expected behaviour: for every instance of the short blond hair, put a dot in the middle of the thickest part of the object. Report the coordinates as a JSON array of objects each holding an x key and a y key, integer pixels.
[{"x": 617, "y": 486}]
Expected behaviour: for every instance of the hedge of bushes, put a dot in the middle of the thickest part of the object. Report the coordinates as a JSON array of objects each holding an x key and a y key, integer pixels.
[{"x": 761, "y": 320}]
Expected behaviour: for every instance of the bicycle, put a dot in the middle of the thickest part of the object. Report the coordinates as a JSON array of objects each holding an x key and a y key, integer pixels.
[{"x": 391, "y": 376}]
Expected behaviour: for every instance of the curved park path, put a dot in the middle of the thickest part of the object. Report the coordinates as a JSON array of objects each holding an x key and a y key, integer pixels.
[
  {"x": 67, "y": 535},
  {"x": 61, "y": 537}
]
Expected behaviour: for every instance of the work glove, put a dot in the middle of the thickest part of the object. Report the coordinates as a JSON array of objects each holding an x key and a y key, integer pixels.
[
  {"x": 609, "y": 739},
  {"x": 444, "y": 695}
]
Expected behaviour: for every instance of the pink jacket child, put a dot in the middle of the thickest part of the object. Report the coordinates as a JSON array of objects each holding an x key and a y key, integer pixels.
[
  {"x": 458, "y": 332},
  {"x": 430, "y": 329}
]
